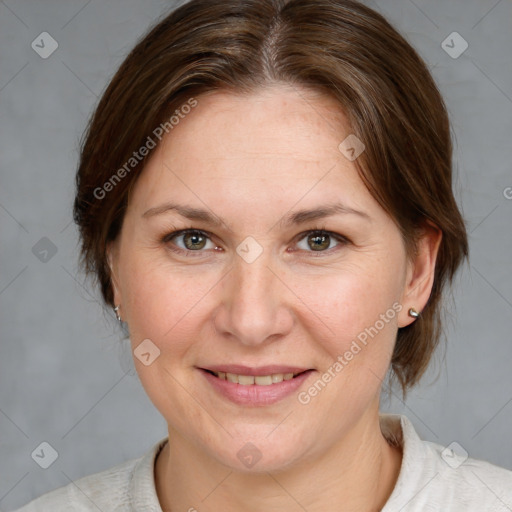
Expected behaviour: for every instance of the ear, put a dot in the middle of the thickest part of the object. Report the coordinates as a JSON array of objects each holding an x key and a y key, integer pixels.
[
  {"x": 112, "y": 260},
  {"x": 420, "y": 273}
]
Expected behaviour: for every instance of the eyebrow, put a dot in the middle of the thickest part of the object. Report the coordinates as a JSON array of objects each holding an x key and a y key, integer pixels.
[{"x": 295, "y": 218}]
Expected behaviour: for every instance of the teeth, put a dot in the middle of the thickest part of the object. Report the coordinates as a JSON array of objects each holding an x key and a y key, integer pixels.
[
  {"x": 245, "y": 380},
  {"x": 260, "y": 380}
]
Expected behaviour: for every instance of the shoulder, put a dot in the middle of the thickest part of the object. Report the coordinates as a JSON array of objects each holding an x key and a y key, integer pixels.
[
  {"x": 434, "y": 477},
  {"x": 120, "y": 488},
  {"x": 100, "y": 490},
  {"x": 472, "y": 484}
]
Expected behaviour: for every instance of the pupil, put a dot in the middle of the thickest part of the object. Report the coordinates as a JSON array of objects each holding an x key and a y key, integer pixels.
[
  {"x": 321, "y": 238},
  {"x": 196, "y": 240}
]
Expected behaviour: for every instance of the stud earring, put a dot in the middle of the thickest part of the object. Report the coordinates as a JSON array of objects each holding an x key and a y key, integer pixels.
[
  {"x": 413, "y": 313},
  {"x": 116, "y": 311}
]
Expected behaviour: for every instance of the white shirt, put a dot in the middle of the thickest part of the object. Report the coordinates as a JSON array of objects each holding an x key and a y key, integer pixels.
[{"x": 430, "y": 479}]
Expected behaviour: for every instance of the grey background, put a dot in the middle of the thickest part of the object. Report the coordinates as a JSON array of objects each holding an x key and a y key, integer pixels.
[{"x": 65, "y": 376}]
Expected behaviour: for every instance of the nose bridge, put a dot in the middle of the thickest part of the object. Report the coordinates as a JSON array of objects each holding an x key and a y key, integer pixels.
[
  {"x": 253, "y": 310},
  {"x": 251, "y": 268}
]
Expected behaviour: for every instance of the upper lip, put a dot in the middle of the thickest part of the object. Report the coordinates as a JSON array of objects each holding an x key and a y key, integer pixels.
[{"x": 239, "y": 369}]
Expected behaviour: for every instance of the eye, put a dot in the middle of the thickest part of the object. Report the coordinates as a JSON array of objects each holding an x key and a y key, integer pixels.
[
  {"x": 194, "y": 240},
  {"x": 320, "y": 240}
]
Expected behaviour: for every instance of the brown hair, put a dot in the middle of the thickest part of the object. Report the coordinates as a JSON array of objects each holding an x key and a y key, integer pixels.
[{"x": 338, "y": 47}]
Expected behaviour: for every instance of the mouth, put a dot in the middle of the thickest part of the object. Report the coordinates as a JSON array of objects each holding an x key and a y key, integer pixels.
[
  {"x": 261, "y": 386},
  {"x": 255, "y": 380}
]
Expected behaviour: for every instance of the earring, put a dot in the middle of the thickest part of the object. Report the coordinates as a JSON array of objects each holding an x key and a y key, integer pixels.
[
  {"x": 116, "y": 311},
  {"x": 414, "y": 313}
]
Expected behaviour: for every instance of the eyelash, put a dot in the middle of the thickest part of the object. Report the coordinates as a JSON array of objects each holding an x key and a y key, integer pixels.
[{"x": 168, "y": 237}]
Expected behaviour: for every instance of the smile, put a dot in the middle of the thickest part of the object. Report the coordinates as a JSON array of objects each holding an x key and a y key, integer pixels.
[
  {"x": 258, "y": 380},
  {"x": 266, "y": 388}
]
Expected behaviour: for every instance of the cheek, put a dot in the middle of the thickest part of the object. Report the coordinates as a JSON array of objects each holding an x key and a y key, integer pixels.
[
  {"x": 168, "y": 304},
  {"x": 361, "y": 313},
  {"x": 162, "y": 305},
  {"x": 360, "y": 302},
  {"x": 360, "y": 307}
]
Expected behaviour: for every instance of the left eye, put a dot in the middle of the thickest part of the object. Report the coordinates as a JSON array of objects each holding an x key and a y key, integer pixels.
[
  {"x": 194, "y": 240},
  {"x": 320, "y": 241}
]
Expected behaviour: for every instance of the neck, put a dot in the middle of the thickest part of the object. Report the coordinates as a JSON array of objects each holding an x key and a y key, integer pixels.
[{"x": 357, "y": 473}]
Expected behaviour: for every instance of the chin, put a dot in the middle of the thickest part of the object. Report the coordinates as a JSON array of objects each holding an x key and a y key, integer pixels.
[{"x": 256, "y": 452}]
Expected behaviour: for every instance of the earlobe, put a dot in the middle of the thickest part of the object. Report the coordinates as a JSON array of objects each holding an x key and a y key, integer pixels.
[{"x": 114, "y": 282}]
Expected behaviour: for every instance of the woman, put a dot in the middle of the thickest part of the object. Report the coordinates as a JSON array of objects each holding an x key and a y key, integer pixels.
[{"x": 264, "y": 195}]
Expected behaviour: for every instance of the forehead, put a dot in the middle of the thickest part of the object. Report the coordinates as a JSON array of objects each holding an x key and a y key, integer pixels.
[
  {"x": 277, "y": 144},
  {"x": 278, "y": 119}
]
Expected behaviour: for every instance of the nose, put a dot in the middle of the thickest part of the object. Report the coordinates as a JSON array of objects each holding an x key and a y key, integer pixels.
[{"x": 255, "y": 306}]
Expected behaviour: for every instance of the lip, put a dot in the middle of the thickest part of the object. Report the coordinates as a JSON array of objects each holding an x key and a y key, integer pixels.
[
  {"x": 259, "y": 371},
  {"x": 256, "y": 395}
]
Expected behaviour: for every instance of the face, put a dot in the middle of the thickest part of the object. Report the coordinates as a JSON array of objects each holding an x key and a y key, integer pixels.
[{"x": 256, "y": 290}]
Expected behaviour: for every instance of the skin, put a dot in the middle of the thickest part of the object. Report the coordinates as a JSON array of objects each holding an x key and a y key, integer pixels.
[{"x": 250, "y": 160}]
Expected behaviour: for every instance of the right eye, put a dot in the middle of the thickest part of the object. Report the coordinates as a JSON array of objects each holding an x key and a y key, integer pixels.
[{"x": 193, "y": 240}]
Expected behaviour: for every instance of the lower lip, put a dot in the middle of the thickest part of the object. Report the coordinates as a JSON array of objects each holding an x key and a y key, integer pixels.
[{"x": 256, "y": 395}]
